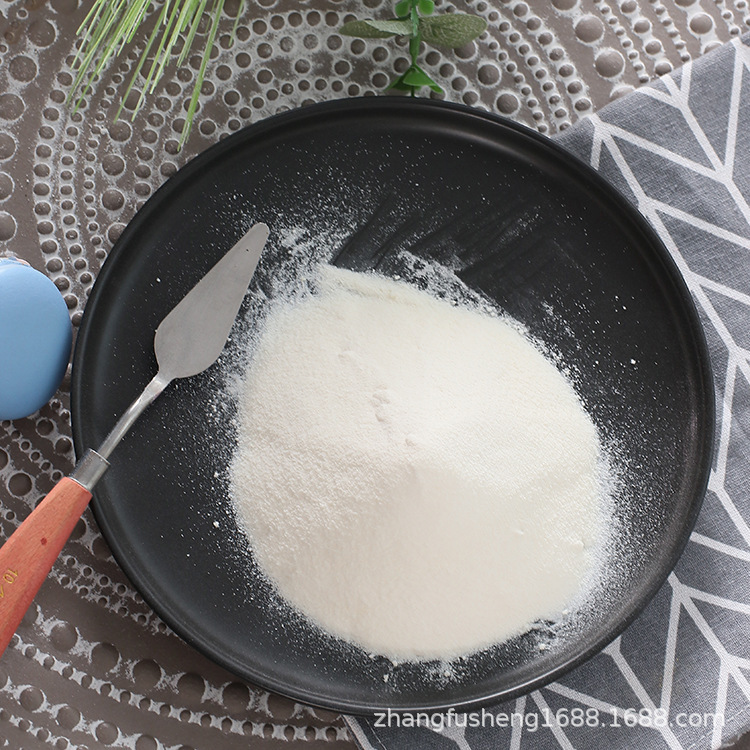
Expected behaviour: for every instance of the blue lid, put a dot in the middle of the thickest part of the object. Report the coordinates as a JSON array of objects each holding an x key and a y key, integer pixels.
[{"x": 35, "y": 339}]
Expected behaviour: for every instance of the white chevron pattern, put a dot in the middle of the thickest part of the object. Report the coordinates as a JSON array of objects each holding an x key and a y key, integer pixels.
[{"x": 688, "y": 655}]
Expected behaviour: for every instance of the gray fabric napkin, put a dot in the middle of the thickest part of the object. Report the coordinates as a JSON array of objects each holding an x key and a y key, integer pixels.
[{"x": 679, "y": 677}]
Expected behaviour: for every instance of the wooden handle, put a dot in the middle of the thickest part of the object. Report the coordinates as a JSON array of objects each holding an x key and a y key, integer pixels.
[{"x": 28, "y": 556}]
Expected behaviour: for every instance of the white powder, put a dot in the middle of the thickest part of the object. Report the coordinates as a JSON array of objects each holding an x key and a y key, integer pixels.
[{"x": 415, "y": 477}]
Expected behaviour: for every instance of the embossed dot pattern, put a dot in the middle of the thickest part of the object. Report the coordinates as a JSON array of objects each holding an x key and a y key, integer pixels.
[{"x": 91, "y": 665}]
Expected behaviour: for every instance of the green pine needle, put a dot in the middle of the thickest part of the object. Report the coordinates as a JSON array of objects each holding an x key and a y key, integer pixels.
[{"x": 112, "y": 24}]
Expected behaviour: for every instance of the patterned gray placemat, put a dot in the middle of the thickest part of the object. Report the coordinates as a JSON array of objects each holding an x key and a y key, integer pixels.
[{"x": 679, "y": 677}]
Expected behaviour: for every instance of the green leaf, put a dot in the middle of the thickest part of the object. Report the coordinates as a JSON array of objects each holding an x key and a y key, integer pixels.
[
  {"x": 403, "y": 7},
  {"x": 414, "y": 79},
  {"x": 399, "y": 84},
  {"x": 426, "y": 7},
  {"x": 454, "y": 30},
  {"x": 364, "y": 30},
  {"x": 394, "y": 26}
]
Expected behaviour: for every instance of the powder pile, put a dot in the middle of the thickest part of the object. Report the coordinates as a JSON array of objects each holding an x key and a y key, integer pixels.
[{"x": 414, "y": 477}]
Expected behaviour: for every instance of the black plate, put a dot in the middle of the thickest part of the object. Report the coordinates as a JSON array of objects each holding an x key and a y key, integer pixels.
[{"x": 520, "y": 221}]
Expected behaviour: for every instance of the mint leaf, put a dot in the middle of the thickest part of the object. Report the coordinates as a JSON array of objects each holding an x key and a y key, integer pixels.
[
  {"x": 365, "y": 30},
  {"x": 394, "y": 26},
  {"x": 403, "y": 7},
  {"x": 454, "y": 30},
  {"x": 399, "y": 84},
  {"x": 415, "y": 78}
]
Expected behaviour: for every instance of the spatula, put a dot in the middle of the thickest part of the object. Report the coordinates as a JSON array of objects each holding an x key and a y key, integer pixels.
[{"x": 187, "y": 341}]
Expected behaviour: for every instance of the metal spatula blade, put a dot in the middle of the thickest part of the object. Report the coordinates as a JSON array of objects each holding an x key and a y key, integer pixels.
[
  {"x": 187, "y": 341},
  {"x": 192, "y": 336}
]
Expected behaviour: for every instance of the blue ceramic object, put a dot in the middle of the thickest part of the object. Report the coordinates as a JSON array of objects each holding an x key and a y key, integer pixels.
[{"x": 35, "y": 339}]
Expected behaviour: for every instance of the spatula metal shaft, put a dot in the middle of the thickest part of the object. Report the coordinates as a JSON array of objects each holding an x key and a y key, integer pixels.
[
  {"x": 94, "y": 462},
  {"x": 125, "y": 422}
]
